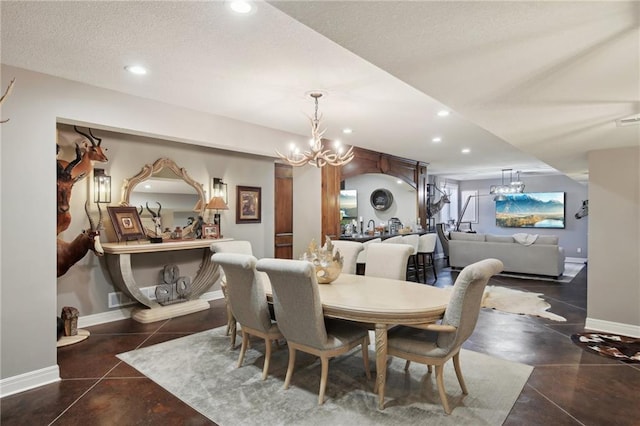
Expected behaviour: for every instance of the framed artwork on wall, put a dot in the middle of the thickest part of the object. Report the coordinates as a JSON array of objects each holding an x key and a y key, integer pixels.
[
  {"x": 248, "y": 204},
  {"x": 210, "y": 230},
  {"x": 126, "y": 223}
]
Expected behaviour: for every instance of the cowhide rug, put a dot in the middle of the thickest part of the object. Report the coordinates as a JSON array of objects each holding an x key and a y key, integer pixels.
[
  {"x": 517, "y": 302},
  {"x": 622, "y": 348}
]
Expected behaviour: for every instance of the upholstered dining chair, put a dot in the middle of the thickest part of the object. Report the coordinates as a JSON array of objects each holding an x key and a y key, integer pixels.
[
  {"x": 387, "y": 260},
  {"x": 435, "y": 344},
  {"x": 397, "y": 239},
  {"x": 248, "y": 301},
  {"x": 349, "y": 251},
  {"x": 362, "y": 256},
  {"x": 234, "y": 246},
  {"x": 299, "y": 314},
  {"x": 412, "y": 266},
  {"x": 425, "y": 259}
]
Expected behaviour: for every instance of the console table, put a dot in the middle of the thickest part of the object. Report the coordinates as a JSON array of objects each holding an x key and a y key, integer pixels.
[{"x": 118, "y": 261}]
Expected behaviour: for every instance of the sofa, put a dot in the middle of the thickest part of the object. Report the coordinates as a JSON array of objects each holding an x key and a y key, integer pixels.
[{"x": 534, "y": 254}]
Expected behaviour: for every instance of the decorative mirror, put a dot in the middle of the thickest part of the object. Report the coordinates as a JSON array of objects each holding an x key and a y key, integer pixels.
[
  {"x": 163, "y": 185},
  {"x": 381, "y": 199}
]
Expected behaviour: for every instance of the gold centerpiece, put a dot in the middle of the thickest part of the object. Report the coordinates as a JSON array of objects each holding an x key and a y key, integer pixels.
[{"x": 328, "y": 266}]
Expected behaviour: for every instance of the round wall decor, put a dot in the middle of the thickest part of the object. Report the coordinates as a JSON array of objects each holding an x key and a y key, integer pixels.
[{"x": 381, "y": 199}]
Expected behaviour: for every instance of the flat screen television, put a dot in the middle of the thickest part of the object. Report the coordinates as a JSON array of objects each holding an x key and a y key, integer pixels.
[{"x": 531, "y": 210}]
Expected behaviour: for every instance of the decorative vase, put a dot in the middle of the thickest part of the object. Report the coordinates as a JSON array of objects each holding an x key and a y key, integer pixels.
[{"x": 328, "y": 266}]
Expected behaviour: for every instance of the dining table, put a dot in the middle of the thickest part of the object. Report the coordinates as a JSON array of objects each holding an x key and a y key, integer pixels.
[{"x": 382, "y": 302}]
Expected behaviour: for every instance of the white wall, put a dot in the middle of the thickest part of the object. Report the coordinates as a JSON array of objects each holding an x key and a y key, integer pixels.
[
  {"x": 27, "y": 179},
  {"x": 404, "y": 205}
]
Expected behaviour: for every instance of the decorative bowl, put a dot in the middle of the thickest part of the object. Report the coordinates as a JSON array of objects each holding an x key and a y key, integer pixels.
[{"x": 328, "y": 266}]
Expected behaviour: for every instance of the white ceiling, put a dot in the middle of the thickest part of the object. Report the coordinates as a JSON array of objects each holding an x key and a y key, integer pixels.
[{"x": 532, "y": 86}]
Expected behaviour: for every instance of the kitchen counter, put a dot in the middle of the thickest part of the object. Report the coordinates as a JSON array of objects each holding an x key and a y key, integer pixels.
[{"x": 366, "y": 237}]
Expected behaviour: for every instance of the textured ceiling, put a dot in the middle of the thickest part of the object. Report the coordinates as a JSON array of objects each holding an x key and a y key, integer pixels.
[{"x": 532, "y": 86}]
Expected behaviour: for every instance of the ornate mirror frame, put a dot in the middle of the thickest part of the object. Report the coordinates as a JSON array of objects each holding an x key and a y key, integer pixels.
[{"x": 149, "y": 169}]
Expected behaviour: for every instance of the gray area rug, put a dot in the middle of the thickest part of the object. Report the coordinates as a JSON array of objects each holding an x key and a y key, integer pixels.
[{"x": 200, "y": 369}]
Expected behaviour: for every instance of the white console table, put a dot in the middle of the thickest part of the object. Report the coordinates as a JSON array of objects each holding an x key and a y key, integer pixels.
[{"x": 118, "y": 261}]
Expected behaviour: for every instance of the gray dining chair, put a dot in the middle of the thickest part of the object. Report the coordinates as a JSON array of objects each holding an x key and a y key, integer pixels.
[
  {"x": 387, "y": 260},
  {"x": 248, "y": 301},
  {"x": 349, "y": 251},
  {"x": 435, "y": 344},
  {"x": 234, "y": 246},
  {"x": 299, "y": 314},
  {"x": 425, "y": 257}
]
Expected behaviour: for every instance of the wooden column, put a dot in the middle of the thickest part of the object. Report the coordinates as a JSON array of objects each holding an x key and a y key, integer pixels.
[
  {"x": 283, "y": 211},
  {"x": 330, "y": 202}
]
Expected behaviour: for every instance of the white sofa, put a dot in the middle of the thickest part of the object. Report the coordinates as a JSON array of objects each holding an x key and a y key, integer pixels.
[{"x": 543, "y": 257}]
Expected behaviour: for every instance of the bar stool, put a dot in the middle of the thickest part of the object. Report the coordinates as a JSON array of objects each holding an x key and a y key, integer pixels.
[{"x": 424, "y": 258}]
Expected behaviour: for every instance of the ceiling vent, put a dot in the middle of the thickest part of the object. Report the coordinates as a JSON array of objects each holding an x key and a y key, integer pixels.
[{"x": 633, "y": 120}]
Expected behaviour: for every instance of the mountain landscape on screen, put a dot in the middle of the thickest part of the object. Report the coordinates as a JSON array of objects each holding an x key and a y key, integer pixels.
[{"x": 531, "y": 210}]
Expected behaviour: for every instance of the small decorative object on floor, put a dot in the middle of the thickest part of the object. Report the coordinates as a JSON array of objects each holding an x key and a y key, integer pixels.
[
  {"x": 328, "y": 266},
  {"x": 70, "y": 317},
  {"x": 622, "y": 348}
]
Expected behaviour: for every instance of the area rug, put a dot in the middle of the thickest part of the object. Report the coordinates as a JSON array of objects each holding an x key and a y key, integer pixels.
[
  {"x": 518, "y": 302},
  {"x": 200, "y": 369},
  {"x": 622, "y": 348}
]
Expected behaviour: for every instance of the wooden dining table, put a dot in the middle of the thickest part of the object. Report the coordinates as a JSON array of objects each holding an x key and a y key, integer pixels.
[{"x": 382, "y": 302}]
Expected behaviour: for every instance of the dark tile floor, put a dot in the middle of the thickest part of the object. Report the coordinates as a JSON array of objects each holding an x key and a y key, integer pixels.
[{"x": 567, "y": 387}]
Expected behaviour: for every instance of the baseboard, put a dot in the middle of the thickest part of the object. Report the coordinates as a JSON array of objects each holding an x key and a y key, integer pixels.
[
  {"x": 30, "y": 380},
  {"x": 125, "y": 313},
  {"x": 612, "y": 327},
  {"x": 575, "y": 260}
]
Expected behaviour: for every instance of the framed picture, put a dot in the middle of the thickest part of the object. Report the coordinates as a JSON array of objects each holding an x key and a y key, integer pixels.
[
  {"x": 249, "y": 204},
  {"x": 126, "y": 223},
  {"x": 209, "y": 230}
]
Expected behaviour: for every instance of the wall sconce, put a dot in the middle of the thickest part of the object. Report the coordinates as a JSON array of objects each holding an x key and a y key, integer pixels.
[
  {"x": 101, "y": 186},
  {"x": 220, "y": 190}
]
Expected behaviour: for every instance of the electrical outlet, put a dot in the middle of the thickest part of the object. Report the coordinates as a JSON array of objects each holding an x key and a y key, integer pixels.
[{"x": 579, "y": 250}]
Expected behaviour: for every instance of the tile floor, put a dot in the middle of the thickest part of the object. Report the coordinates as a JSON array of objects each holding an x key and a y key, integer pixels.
[{"x": 567, "y": 387}]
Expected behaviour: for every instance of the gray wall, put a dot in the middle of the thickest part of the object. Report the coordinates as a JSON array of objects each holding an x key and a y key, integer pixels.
[
  {"x": 614, "y": 238},
  {"x": 574, "y": 235},
  {"x": 28, "y": 175}
]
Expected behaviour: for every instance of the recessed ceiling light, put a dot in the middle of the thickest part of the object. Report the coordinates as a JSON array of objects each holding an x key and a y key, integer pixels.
[
  {"x": 136, "y": 69},
  {"x": 240, "y": 6},
  {"x": 436, "y": 140},
  {"x": 347, "y": 131},
  {"x": 443, "y": 113},
  {"x": 399, "y": 182},
  {"x": 466, "y": 150}
]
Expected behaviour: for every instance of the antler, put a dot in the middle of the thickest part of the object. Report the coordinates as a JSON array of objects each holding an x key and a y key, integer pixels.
[
  {"x": 6, "y": 93},
  {"x": 154, "y": 214},
  {"x": 95, "y": 137},
  {"x": 94, "y": 227},
  {"x": 90, "y": 138},
  {"x": 62, "y": 171}
]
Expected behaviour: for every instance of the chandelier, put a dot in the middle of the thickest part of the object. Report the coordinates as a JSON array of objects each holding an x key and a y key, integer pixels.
[
  {"x": 514, "y": 186},
  {"x": 317, "y": 155}
]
